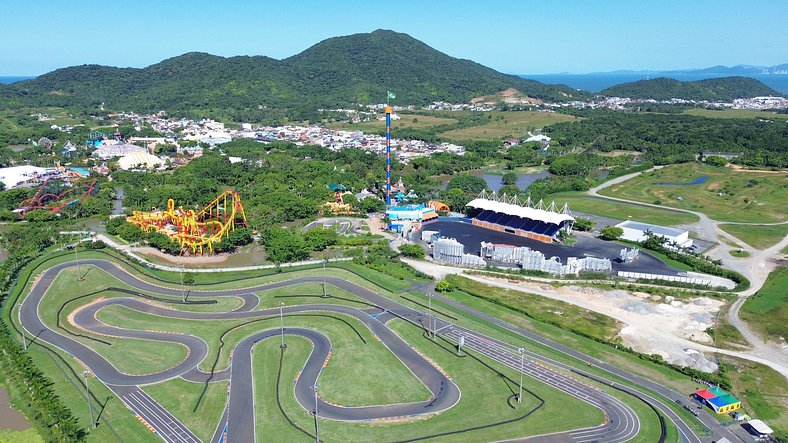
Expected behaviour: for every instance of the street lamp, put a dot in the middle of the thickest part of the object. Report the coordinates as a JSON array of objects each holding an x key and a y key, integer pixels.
[
  {"x": 282, "y": 323},
  {"x": 324, "y": 278},
  {"x": 76, "y": 255},
  {"x": 183, "y": 294},
  {"x": 522, "y": 358},
  {"x": 429, "y": 313},
  {"x": 317, "y": 438},
  {"x": 90, "y": 404}
]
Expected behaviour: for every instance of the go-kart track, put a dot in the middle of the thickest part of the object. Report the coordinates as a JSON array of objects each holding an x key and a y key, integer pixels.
[{"x": 238, "y": 424}]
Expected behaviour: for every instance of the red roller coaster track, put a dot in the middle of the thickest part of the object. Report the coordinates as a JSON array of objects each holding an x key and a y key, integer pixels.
[{"x": 54, "y": 203}]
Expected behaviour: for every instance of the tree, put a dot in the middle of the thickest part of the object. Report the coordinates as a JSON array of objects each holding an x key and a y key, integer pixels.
[
  {"x": 509, "y": 190},
  {"x": 583, "y": 224},
  {"x": 716, "y": 160},
  {"x": 412, "y": 251},
  {"x": 188, "y": 278},
  {"x": 319, "y": 239},
  {"x": 510, "y": 178},
  {"x": 444, "y": 286},
  {"x": 467, "y": 183},
  {"x": 611, "y": 233},
  {"x": 285, "y": 245}
]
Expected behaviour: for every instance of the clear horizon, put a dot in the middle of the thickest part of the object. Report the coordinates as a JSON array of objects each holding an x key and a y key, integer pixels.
[{"x": 515, "y": 37}]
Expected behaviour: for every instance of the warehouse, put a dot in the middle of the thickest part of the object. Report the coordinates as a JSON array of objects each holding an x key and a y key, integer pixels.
[{"x": 636, "y": 231}]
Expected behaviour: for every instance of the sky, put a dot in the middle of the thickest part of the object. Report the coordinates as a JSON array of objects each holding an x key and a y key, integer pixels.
[{"x": 513, "y": 36}]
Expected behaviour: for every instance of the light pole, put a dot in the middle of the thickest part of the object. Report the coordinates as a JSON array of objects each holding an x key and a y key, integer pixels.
[
  {"x": 317, "y": 437},
  {"x": 183, "y": 294},
  {"x": 76, "y": 256},
  {"x": 522, "y": 358},
  {"x": 282, "y": 323},
  {"x": 90, "y": 404},
  {"x": 24, "y": 338},
  {"x": 325, "y": 294},
  {"x": 429, "y": 313}
]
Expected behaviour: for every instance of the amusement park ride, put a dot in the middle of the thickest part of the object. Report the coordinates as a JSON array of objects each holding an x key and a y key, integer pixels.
[
  {"x": 60, "y": 188},
  {"x": 195, "y": 230}
]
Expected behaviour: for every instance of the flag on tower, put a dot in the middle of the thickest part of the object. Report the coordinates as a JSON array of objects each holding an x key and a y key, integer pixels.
[{"x": 390, "y": 95}]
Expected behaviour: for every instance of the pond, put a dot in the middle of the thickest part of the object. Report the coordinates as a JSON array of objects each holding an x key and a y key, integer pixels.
[
  {"x": 9, "y": 417},
  {"x": 697, "y": 181},
  {"x": 494, "y": 180}
]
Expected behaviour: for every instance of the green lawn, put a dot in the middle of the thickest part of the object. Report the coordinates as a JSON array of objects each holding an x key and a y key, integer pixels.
[
  {"x": 545, "y": 309},
  {"x": 484, "y": 401},
  {"x": 581, "y": 203},
  {"x": 736, "y": 113},
  {"x": 727, "y": 195},
  {"x": 757, "y": 236},
  {"x": 26, "y": 436},
  {"x": 503, "y": 124},
  {"x": 183, "y": 400},
  {"x": 308, "y": 293},
  {"x": 353, "y": 361},
  {"x": 767, "y": 311}
]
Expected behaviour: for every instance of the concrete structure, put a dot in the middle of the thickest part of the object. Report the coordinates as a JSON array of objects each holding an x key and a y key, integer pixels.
[
  {"x": 449, "y": 250},
  {"x": 533, "y": 260},
  {"x": 17, "y": 175},
  {"x": 636, "y": 231}
]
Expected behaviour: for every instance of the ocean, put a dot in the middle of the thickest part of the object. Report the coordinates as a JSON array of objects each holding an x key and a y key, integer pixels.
[
  {"x": 598, "y": 82},
  {"x": 9, "y": 80}
]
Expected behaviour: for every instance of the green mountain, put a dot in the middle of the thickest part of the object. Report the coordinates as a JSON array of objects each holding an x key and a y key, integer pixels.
[
  {"x": 336, "y": 72},
  {"x": 722, "y": 89}
]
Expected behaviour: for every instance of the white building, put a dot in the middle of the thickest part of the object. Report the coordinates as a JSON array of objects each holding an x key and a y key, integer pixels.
[
  {"x": 16, "y": 175},
  {"x": 139, "y": 160},
  {"x": 636, "y": 231}
]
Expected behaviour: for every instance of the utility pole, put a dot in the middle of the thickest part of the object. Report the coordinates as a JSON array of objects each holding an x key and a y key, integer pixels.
[
  {"x": 431, "y": 328},
  {"x": 183, "y": 293},
  {"x": 282, "y": 323},
  {"x": 317, "y": 437},
  {"x": 522, "y": 358},
  {"x": 90, "y": 404},
  {"x": 24, "y": 338}
]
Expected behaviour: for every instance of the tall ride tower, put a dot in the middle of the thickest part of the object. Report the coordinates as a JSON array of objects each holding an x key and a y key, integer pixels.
[{"x": 388, "y": 153}]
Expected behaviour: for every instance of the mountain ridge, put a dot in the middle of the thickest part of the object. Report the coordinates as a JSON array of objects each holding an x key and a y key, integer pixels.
[{"x": 713, "y": 89}]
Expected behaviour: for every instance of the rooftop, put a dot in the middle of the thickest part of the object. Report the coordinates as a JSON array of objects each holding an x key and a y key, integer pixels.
[{"x": 656, "y": 229}]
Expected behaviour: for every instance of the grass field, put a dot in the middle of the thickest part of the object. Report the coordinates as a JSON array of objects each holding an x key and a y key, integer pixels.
[
  {"x": 545, "y": 309},
  {"x": 504, "y": 124},
  {"x": 306, "y": 293},
  {"x": 182, "y": 399},
  {"x": 736, "y": 113},
  {"x": 757, "y": 236},
  {"x": 767, "y": 311},
  {"x": 484, "y": 401},
  {"x": 353, "y": 361},
  {"x": 405, "y": 121},
  {"x": 581, "y": 203},
  {"x": 726, "y": 195}
]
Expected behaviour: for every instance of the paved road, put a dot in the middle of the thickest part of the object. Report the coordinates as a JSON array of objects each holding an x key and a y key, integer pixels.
[{"x": 621, "y": 425}]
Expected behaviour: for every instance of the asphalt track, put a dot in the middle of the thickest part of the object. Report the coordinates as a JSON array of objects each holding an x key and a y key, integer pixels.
[{"x": 238, "y": 421}]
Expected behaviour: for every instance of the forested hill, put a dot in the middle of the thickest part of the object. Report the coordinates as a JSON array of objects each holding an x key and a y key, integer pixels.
[
  {"x": 713, "y": 89},
  {"x": 336, "y": 72}
]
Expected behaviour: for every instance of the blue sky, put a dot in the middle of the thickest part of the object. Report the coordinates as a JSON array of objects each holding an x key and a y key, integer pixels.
[{"x": 514, "y": 36}]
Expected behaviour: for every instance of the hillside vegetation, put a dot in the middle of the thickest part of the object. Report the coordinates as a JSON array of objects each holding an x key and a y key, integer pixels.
[
  {"x": 712, "y": 89},
  {"x": 339, "y": 71}
]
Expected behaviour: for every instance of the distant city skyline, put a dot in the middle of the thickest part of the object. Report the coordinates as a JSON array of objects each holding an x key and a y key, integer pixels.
[{"x": 515, "y": 37}]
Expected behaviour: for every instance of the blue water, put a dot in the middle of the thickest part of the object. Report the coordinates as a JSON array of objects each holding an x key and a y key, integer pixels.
[
  {"x": 9, "y": 80},
  {"x": 598, "y": 82},
  {"x": 697, "y": 181}
]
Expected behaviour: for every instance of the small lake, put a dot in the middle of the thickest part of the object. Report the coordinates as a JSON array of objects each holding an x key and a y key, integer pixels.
[
  {"x": 697, "y": 181},
  {"x": 494, "y": 180},
  {"x": 9, "y": 417}
]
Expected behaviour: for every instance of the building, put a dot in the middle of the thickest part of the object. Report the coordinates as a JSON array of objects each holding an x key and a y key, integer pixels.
[
  {"x": 449, "y": 250},
  {"x": 108, "y": 149},
  {"x": 508, "y": 214},
  {"x": 17, "y": 175},
  {"x": 407, "y": 216},
  {"x": 636, "y": 231},
  {"x": 139, "y": 160},
  {"x": 759, "y": 429},
  {"x": 719, "y": 400}
]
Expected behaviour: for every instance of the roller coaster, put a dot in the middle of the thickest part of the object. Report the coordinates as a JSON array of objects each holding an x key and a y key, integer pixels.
[
  {"x": 56, "y": 194},
  {"x": 195, "y": 231}
]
